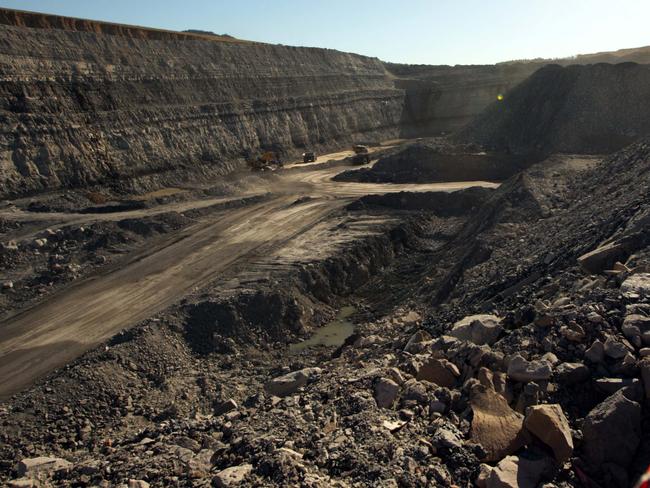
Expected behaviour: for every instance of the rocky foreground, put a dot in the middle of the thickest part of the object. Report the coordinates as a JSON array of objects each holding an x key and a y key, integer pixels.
[{"x": 533, "y": 369}]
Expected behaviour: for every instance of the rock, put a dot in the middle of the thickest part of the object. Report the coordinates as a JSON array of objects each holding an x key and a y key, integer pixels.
[
  {"x": 636, "y": 286},
  {"x": 523, "y": 371},
  {"x": 415, "y": 343},
  {"x": 386, "y": 392},
  {"x": 10, "y": 246},
  {"x": 188, "y": 443},
  {"x": 232, "y": 476},
  {"x": 550, "y": 358},
  {"x": 43, "y": 464},
  {"x": 603, "y": 257},
  {"x": 436, "y": 406},
  {"x": 596, "y": 353},
  {"x": 549, "y": 424},
  {"x": 483, "y": 474},
  {"x": 572, "y": 333},
  {"x": 529, "y": 397},
  {"x": 290, "y": 382},
  {"x": 644, "y": 366},
  {"x": 609, "y": 386},
  {"x": 285, "y": 451},
  {"x": 517, "y": 472},
  {"x": 595, "y": 318},
  {"x": 225, "y": 407},
  {"x": 611, "y": 431},
  {"x": 38, "y": 243},
  {"x": 396, "y": 375},
  {"x": 561, "y": 302},
  {"x": 22, "y": 483},
  {"x": 495, "y": 426},
  {"x": 572, "y": 373},
  {"x": 138, "y": 484},
  {"x": 448, "y": 437},
  {"x": 634, "y": 327},
  {"x": 478, "y": 329},
  {"x": 615, "y": 349},
  {"x": 367, "y": 341},
  {"x": 440, "y": 372}
]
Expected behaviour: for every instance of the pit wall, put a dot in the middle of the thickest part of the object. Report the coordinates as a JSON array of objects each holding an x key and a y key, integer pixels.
[
  {"x": 80, "y": 108},
  {"x": 442, "y": 99}
]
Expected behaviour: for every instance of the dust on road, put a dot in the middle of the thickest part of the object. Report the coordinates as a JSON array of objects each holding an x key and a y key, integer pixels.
[{"x": 78, "y": 318}]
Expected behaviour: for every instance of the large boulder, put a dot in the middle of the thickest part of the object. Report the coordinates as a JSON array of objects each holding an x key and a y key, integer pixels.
[
  {"x": 440, "y": 372},
  {"x": 603, "y": 257},
  {"x": 479, "y": 329},
  {"x": 596, "y": 352},
  {"x": 636, "y": 328},
  {"x": 611, "y": 431},
  {"x": 417, "y": 342},
  {"x": 524, "y": 371},
  {"x": 495, "y": 426},
  {"x": 636, "y": 286},
  {"x": 517, "y": 472},
  {"x": 644, "y": 367},
  {"x": 386, "y": 392},
  {"x": 43, "y": 464},
  {"x": 572, "y": 373},
  {"x": 549, "y": 424},
  {"x": 232, "y": 476},
  {"x": 290, "y": 382}
]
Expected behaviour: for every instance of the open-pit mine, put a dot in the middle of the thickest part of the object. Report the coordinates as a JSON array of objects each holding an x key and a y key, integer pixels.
[{"x": 225, "y": 263}]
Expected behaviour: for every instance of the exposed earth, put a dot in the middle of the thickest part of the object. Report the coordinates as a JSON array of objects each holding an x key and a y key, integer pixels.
[{"x": 468, "y": 309}]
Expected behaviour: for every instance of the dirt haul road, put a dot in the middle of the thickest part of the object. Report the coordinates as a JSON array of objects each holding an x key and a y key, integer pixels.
[{"x": 82, "y": 316}]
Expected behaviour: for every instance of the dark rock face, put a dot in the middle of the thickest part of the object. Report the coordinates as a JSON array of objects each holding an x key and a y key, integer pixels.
[
  {"x": 433, "y": 162},
  {"x": 445, "y": 98},
  {"x": 81, "y": 108},
  {"x": 611, "y": 431},
  {"x": 581, "y": 109}
]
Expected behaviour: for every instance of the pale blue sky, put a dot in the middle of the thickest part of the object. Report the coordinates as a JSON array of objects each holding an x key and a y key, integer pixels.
[{"x": 409, "y": 31}]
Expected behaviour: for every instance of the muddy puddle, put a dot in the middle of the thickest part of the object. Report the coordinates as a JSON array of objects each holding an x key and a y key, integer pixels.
[{"x": 332, "y": 334}]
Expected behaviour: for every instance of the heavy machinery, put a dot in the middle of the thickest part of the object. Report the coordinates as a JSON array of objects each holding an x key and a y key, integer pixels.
[
  {"x": 268, "y": 161},
  {"x": 361, "y": 154},
  {"x": 309, "y": 157}
]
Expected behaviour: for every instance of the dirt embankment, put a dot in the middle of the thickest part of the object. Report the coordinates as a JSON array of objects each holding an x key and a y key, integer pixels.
[
  {"x": 432, "y": 162},
  {"x": 461, "y": 202},
  {"x": 590, "y": 109}
]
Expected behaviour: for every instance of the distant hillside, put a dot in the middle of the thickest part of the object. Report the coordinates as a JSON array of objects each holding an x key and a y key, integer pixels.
[
  {"x": 595, "y": 108},
  {"x": 35, "y": 20},
  {"x": 639, "y": 55},
  {"x": 443, "y": 98},
  {"x": 207, "y": 33}
]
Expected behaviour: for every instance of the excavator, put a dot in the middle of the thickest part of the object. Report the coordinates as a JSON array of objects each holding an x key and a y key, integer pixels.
[{"x": 267, "y": 161}]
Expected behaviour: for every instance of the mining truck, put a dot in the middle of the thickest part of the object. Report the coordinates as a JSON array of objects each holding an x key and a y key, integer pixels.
[
  {"x": 361, "y": 154},
  {"x": 268, "y": 161},
  {"x": 309, "y": 157}
]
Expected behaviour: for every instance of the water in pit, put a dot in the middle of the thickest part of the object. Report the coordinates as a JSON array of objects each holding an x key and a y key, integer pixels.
[{"x": 331, "y": 334}]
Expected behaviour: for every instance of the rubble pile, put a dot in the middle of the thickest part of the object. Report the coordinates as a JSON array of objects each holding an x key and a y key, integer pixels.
[{"x": 520, "y": 358}]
